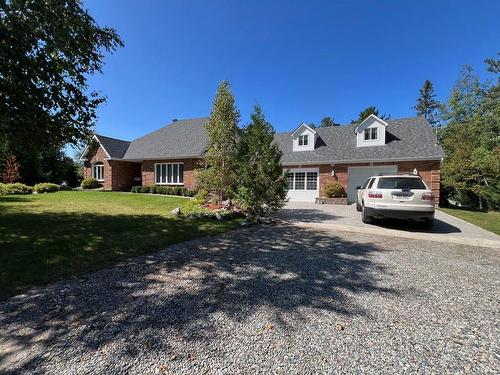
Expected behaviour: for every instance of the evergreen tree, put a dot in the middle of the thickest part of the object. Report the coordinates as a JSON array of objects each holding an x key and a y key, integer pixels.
[
  {"x": 372, "y": 110},
  {"x": 493, "y": 64},
  {"x": 327, "y": 122},
  {"x": 220, "y": 173},
  {"x": 427, "y": 105},
  {"x": 261, "y": 184}
]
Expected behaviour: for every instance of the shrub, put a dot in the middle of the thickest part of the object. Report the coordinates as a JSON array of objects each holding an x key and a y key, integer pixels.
[
  {"x": 136, "y": 189},
  {"x": 16, "y": 188},
  {"x": 334, "y": 190},
  {"x": 145, "y": 189},
  {"x": 90, "y": 183},
  {"x": 46, "y": 187}
]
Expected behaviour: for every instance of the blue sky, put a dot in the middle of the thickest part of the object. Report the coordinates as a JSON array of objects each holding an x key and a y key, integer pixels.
[{"x": 301, "y": 60}]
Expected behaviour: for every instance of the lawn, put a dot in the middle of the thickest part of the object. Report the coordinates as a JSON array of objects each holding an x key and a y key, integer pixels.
[
  {"x": 489, "y": 220},
  {"x": 48, "y": 237}
]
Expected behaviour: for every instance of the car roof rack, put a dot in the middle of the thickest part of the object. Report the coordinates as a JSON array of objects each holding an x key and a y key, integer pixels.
[{"x": 412, "y": 173}]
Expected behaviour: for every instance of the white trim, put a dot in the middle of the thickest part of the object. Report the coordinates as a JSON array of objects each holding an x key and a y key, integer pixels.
[
  {"x": 301, "y": 125},
  {"x": 371, "y": 116},
  {"x": 170, "y": 183},
  {"x": 86, "y": 148},
  {"x": 362, "y": 161},
  {"x": 160, "y": 158}
]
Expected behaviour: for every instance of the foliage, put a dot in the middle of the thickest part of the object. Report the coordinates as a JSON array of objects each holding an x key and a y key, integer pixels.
[
  {"x": 327, "y": 122},
  {"x": 10, "y": 170},
  {"x": 49, "y": 50},
  {"x": 90, "y": 183},
  {"x": 46, "y": 187},
  {"x": 219, "y": 175},
  {"x": 15, "y": 188},
  {"x": 471, "y": 141},
  {"x": 427, "y": 105},
  {"x": 261, "y": 183},
  {"x": 493, "y": 64},
  {"x": 372, "y": 110},
  {"x": 164, "y": 190},
  {"x": 334, "y": 190}
]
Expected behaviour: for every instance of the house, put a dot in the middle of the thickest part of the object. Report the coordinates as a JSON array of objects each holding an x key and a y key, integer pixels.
[{"x": 312, "y": 157}]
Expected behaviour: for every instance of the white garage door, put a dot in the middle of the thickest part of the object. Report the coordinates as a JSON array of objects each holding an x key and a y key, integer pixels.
[
  {"x": 303, "y": 184},
  {"x": 358, "y": 175}
]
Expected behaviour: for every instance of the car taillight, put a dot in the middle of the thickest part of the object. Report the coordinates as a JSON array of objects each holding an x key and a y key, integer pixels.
[
  {"x": 427, "y": 196},
  {"x": 374, "y": 194}
]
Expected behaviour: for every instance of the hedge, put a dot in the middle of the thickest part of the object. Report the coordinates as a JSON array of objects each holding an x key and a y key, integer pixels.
[
  {"x": 164, "y": 190},
  {"x": 45, "y": 187},
  {"x": 16, "y": 188},
  {"x": 90, "y": 183}
]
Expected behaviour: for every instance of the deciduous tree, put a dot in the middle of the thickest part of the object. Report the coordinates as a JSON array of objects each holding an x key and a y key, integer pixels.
[{"x": 10, "y": 170}]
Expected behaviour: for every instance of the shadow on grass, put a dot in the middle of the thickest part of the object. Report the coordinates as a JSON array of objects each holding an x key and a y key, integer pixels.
[{"x": 175, "y": 294}]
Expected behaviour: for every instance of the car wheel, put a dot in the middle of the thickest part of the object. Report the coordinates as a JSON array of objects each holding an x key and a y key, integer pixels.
[
  {"x": 364, "y": 217},
  {"x": 358, "y": 207}
]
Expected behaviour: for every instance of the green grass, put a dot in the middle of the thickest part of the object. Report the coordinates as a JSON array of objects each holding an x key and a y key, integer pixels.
[
  {"x": 489, "y": 220},
  {"x": 48, "y": 237}
]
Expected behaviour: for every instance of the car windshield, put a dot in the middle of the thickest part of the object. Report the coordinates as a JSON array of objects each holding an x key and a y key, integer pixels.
[{"x": 404, "y": 183}]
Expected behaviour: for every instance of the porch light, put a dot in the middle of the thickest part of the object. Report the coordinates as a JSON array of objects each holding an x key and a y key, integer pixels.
[{"x": 333, "y": 172}]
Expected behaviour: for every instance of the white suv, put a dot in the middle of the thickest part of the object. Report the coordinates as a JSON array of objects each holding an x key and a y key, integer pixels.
[{"x": 398, "y": 196}]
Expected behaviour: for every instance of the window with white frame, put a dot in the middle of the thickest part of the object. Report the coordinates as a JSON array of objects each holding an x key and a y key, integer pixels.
[
  {"x": 98, "y": 171},
  {"x": 371, "y": 134},
  {"x": 302, "y": 180},
  {"x": 303, "y": 140},
  {"x": 169, "y": 174}
]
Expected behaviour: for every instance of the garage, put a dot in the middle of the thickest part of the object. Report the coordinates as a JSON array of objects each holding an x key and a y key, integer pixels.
[
  {"x": 358, "y": 175},
  {"x": 303, "y": 184}
]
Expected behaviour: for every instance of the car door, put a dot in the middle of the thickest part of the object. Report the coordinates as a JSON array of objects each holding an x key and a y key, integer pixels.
[{"x": 362, "y": 189}]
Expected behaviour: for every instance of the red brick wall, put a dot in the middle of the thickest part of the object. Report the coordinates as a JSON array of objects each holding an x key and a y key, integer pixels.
[
  {"x": 118, "y": 175},
  {"x": 190, "y": 165},
  {"x": 429, "y": 170}
]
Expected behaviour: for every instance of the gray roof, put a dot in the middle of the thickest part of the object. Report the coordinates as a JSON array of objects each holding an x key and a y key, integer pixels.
[
  {"x": 406, "y": 138},
  {"x": 182, "y": 138},
  {"x": 114, "y": 147}
]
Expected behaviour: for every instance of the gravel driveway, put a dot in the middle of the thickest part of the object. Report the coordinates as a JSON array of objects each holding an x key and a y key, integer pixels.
[{"x": 267, "y": 299}]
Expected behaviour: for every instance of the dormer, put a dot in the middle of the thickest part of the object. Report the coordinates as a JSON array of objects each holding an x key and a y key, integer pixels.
[
  {"x": 304, "y": 138},
  {"x": 371, "y": 132}
]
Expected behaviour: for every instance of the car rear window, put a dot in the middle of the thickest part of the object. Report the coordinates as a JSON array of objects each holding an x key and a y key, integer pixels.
[{"x": 404, "y": 183}]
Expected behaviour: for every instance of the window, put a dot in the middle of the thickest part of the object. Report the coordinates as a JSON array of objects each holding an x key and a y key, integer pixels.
[
  {"x": 312, "y": 181},
  {"x": 98, "y": 171},
  {"x": 370, "y": 183},
  {"x": 169, "y": 174},
  {"x": 302, "y": 180},
  {"x": 371, "y": 134},
  {"x": 365, "y": 184},
  {"x": 303, "y": 140},
  {"x": 401, "y": 183}
]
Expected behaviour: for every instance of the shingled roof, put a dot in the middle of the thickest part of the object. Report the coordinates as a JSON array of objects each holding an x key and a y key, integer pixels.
[{"x": 406, "y": 139}]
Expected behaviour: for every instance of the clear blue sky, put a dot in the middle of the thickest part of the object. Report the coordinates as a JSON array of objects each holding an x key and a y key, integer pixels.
[{"x": 301, "y": 60}]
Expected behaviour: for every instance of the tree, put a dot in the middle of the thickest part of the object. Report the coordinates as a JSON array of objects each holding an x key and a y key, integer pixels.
[
  {"x": 11, "y": 170},
  {"x": 372, "y": 110},
  {"x": 427, "y": 105},
  {"x": 327, "y": 122},
  {"x": 493, "y": 64},
  {"x": 48, "y": 50},
  {"x": 220, "y": 173},
  {"x": 261, "y": 183},
  {"x": 470, "y": 139}
]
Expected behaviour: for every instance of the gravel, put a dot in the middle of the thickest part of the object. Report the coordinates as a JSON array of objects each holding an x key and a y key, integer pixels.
[{"x": 267, "y": 299}]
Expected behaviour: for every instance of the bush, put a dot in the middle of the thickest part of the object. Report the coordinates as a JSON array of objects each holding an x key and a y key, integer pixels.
[
  {"x": 136, "y": 189},
  {"x": 334, "y": 190},
  {"x": 46, "y": 187},
  {"x": 90, "y": 183},
  {"x": 16, "y": 188},
  {"x": 164, "y": 190}
]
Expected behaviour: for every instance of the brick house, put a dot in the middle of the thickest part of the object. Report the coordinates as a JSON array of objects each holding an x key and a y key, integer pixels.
[{"x": 312, "y": 157}]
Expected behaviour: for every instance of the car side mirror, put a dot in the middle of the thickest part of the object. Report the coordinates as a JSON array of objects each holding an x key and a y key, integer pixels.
[{"x": 358, "y": 187}]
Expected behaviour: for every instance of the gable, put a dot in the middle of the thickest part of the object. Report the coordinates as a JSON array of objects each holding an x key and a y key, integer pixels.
[
  {"x": 303, "y": 138},
  {"x": 371, "y": 132}
]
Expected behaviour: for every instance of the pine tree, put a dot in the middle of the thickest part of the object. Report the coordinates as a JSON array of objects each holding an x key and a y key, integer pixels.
[
  {"x": 10, "y": 170},
  {"x": 427, "y": 105},
  {"x": 220, "y": 173},
  {"x": 261, "y": 184},
  {"x": 371, "y": 110},
  {"x": 327, "y": 122}
]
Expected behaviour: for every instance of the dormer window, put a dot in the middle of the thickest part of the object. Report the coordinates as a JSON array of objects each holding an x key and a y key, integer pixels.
[
  {"x": 303, "y": 140},
  {"x": 371, "y": 134}
]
